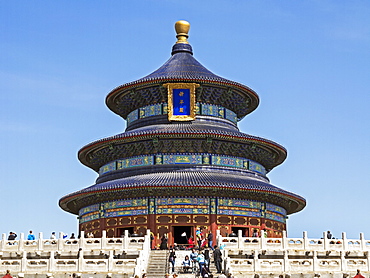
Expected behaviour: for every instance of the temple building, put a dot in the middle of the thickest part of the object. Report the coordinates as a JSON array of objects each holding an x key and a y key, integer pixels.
[{"x": 182, "y": 162}]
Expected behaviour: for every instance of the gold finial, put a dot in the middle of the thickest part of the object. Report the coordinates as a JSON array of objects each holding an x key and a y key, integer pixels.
[{"x": 182, "y": 29}]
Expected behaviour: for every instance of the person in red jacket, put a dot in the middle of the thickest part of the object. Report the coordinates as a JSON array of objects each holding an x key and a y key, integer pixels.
[
  {"x": 358, "y": 275},
  {"x": 7, "y": 275},
  {"x": 190, "y": 242}
]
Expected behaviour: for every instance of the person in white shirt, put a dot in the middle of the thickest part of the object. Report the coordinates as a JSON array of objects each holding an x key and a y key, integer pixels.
[{"x": 53, "y": 235}]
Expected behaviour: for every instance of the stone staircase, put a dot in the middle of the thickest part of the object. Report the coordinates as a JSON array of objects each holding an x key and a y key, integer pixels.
[{"x": 157, "y": 264}]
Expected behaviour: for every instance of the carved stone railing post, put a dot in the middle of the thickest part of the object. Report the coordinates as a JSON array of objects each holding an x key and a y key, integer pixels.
[
  {"x": 314, "y": 261},
  {"x": 3, "y": 239},
  {"x": 345, "y": 241},
  {"x": 343, "y": 266},
  {"x": 326, "y": 241},
  {"x": 110, "y": 260},
  {"x": 137, "y": 269},
  {"x": 286, "y": 261},
  {"x": 263, "y": 240},
  {"x": 60, "y": 241},
  {"x": 21, "y": 242},
  {"x": 80, "y": 266},
  {"x": 218, "y": 238},
  {"x": 51, "y": 261},
  {"x": 24, "y": 261},
  {"x": 306, "y": 241},
  {"x": 81, "y": 242},
  {"x": 256, "y": 265},
  {"x": 284, "y": 241},
  {"x": 126, "y": 240},
  {"x": 363, "y": 243},
  {"x": 103, "y": 243},
  {"x": 40, "y": 242},
  {"x": 146, "y": 249},
  {"x": 367, "y": 260},
  {"x": 142, "y": 260},
  {"x": 226, "y": 261},
  {"x": 240, "y": 239}
]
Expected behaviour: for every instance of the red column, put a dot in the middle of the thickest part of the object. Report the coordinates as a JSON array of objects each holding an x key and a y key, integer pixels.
[
  {"x": 152, "y": 227},
  {"x": 213, "y": 220}
]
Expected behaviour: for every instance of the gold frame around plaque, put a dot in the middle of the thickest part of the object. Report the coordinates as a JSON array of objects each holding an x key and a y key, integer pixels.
[{"x": 170, "y": 87}]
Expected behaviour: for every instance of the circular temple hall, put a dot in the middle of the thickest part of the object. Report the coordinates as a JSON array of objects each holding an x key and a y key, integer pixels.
[{"x": 182, "y": 162}]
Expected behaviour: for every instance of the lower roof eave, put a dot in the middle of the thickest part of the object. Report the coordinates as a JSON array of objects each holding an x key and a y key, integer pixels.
[{"x": 149, "y": 187}]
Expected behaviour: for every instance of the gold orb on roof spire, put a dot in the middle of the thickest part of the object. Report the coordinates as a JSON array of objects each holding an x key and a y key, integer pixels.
[{"x": 182, "y": 29}]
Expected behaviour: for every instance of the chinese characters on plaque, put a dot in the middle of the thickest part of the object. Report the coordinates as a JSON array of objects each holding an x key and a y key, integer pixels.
[{"x": 181, "y": 101}]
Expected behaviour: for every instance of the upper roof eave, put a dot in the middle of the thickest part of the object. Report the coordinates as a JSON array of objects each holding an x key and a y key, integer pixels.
[
  {"x": 159, "y": 80},
  {"x": 182, "y": 67}
]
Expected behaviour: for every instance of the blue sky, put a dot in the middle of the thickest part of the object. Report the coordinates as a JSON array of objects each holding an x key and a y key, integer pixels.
[{"x": 309, "y": 61}]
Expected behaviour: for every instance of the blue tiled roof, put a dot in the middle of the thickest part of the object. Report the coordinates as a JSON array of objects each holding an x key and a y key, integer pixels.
[
  {"x": 193, "y": 182},
  {"x": 186, "y": 131},
  {"x": 183, "y": 66},
  {"x": 183, "y": 129}
]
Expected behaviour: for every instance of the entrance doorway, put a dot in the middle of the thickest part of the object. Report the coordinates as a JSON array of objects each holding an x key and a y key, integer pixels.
[
  {"x": 245, "y": 231},
  {"x": 181, "y": 235},
  {"x": 121, "y": 231}
]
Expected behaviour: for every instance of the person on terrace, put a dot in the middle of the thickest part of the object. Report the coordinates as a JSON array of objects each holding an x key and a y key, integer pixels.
[
  {"x": 186, "y": 264},
  {"x": 210, "y": 239},
  {"x": 7, "y": 275},
  {"x": 255, "y": 233},
  {"x": 191, "y": 242},
  {"x": 31, "y": 236},
  {"x": 202, "y": 264},
  {"x": 163, "y": 245},
  {"x": 172, "y": 258},
  {"x": 329, "y": 235},
  {"x": 12, "y": 236},
  {"x": 358, "y": 275},
  {"x": 193, "y": 255},
  {"x": 217, "y": 257},
  {"x": 199, "y": 235}
]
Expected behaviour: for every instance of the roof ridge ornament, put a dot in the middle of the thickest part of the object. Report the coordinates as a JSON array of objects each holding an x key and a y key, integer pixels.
[{"x": 182, "y": 29}]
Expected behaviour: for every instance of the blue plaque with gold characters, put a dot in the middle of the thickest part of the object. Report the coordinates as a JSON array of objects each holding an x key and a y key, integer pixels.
[{"x": 181, "y": 101}]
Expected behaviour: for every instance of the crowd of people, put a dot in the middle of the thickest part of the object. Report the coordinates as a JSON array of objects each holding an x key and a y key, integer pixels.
[
  {"x": 222, "y": 275},
  {"x": 13, "y": 236},
  {"x": 202, "y": 240},
  {"x": 198, "y": 261}
]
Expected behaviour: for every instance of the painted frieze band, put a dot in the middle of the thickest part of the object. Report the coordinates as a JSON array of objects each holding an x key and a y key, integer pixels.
[
  {"x": 182, "y": 205},
  {"x": 200, "y": 109},
  {"x": 199, "y": 159}
]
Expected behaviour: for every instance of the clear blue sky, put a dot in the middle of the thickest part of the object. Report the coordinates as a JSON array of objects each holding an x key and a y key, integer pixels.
[{"x": 309, "y": 61}]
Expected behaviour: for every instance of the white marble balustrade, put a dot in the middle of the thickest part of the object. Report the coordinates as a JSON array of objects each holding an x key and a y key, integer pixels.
[
  {"x": 127, "y": 255},
  {"x": 243, "y": 256},
  {"x": 295, "y": 255},
  {"x": 285, "y": 243}
]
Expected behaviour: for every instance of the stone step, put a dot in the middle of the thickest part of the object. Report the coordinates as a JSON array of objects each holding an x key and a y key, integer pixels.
[{"x": 157, "y": 264}]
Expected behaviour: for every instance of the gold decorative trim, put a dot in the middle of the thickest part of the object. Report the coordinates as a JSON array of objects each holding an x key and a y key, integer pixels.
[
  {"x": 175, "y": 217},
  {"x": 186, "y": 86},
  {"x": 141, "y": 216},
  {"x": 162, "y": 216},
  {"x": 109, "y": 220}
]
